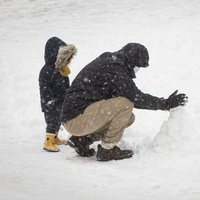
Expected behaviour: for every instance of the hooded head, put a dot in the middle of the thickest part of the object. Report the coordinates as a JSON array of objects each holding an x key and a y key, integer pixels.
[
  {"x": 135, "y": 55},
  {"x": 59, "y": 54},
  {"x": 51, "y": 49}
]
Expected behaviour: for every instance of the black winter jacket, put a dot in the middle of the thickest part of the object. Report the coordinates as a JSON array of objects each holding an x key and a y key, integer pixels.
[
  {"x": 110, "y": 75},
  {"x": 53, "y": 86}
]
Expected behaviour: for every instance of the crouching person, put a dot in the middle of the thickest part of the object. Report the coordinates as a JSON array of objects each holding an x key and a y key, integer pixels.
[
  {"x": 103, "y": 120},
  {"x": 100, "y": 101},
  {"x": 53, "y": 83}
]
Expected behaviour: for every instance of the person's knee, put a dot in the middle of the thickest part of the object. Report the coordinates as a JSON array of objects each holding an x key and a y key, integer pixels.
[
  {"x": 131, "y": 120},
  {"x": 126, "y": 102}
]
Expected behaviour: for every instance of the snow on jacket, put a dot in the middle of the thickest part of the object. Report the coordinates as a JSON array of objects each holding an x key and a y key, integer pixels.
[
  {"x": 53, "y": 86},
  {"x": 110, "y": 75}
]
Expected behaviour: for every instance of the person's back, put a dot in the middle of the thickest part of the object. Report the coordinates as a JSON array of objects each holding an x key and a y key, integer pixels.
[{"x": 110, "y": 75}]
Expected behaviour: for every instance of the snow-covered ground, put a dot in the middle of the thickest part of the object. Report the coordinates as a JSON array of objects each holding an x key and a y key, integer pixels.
[{"x": 166, "y": 165}]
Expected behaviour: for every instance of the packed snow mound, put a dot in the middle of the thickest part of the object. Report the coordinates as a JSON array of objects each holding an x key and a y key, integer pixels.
[{"x": 179, "y": 132}]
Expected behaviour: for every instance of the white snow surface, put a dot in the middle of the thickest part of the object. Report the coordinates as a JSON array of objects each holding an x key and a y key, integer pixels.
[{"x": 166, "y": 164}]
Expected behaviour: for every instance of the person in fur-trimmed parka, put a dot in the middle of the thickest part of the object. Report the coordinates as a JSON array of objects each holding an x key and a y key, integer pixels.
[{"x": 53, "y": 83}]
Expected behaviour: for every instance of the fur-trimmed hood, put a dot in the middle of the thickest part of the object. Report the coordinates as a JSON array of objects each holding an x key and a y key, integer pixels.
[{"x": 65, "y": 54}]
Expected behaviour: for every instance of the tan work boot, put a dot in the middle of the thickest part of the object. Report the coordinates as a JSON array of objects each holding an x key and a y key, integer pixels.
[
  {"x": 58, "y": 141},
  {"x": 50, "y": 143}
]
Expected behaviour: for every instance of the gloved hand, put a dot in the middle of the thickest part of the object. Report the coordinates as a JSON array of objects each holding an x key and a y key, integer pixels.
[{"x": 175, "y": 100}]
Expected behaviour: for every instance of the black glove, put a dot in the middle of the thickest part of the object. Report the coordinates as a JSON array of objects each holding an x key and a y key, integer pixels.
[{"x": 175, "y": 100}]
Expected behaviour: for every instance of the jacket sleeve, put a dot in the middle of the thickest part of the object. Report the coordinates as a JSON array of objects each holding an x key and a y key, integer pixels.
[
  {"x": 123, "y": 85},
  {"x": 46, "y": 92},
  {"x": 147, "y": 101}
]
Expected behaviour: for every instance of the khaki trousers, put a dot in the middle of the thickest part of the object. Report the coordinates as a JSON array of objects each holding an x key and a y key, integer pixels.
[{"x": 106, "y": 119}]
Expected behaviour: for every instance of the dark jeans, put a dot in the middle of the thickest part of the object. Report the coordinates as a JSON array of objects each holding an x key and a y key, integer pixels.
[{"x": 52, "y": 119}]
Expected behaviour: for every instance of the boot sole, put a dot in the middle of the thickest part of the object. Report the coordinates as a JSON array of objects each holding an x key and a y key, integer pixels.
[
  {"x": 107, "y": 159},
  {"x": 50, "y": 150}
]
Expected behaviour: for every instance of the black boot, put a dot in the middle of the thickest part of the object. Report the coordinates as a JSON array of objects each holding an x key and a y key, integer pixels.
[
  {"x": 112, "y": 154},
  {"x": 82, "y": 145}
]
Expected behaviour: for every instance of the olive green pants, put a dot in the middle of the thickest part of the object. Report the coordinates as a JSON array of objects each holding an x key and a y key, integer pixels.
[{"x": 105, "y": 120}]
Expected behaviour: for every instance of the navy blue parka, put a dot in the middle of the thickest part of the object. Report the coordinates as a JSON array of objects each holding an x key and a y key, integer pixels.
[{"x": 52, "y": 85}]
